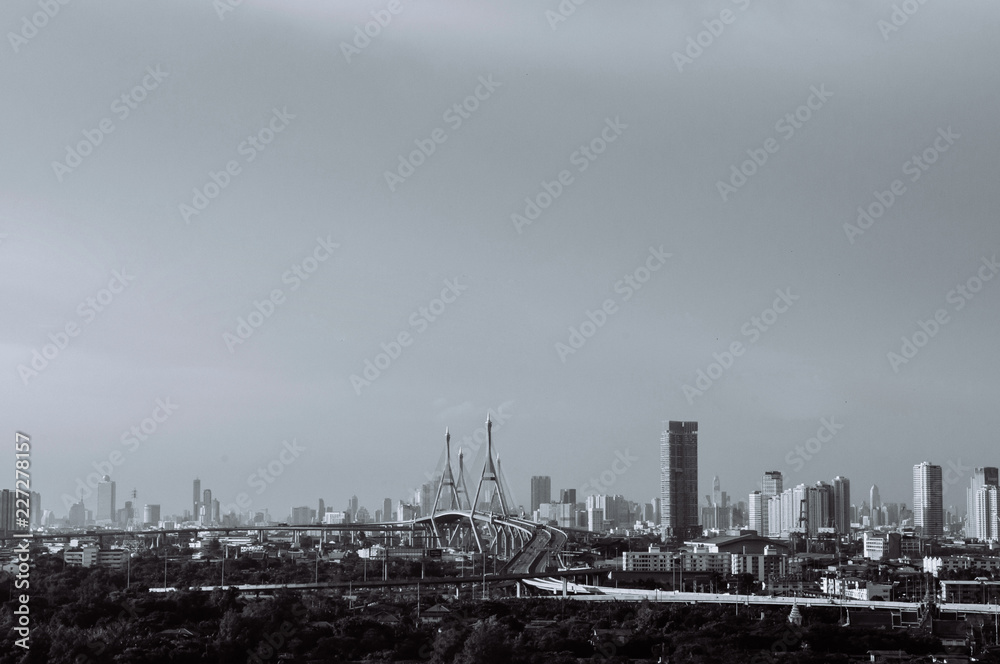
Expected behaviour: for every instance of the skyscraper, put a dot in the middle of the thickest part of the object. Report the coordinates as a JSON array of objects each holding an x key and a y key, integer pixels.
[
  {"x": 151, "y": 514},
  {"x": 206, "y": 502},
  {"x": 771, "y": 485},
  {"x": 981, "y": 477},
  {"x": 541, "y": 491},
  {"x": 679, "y": 481},
  {"x": 842, "y": 505},
  {"x": 987, "y": 513},
  {"x": 928, "y": 512},
  {"x": 105, "y": 501},
  {"x": 387, "y": 509},
  {"x": 197, "y": 498},
  {"x": 876, "y": 506},
  {"x": 757, "y": 505}
]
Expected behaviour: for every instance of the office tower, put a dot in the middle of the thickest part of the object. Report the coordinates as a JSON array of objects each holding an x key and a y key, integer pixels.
[
  {"x": 928, "y": 513},
  {"x": 353, "y": 506},
  {"x": 876, "y": 507},
  {"x": 716, "y": 491},
  {"x": 820, "y": 507},
  {"x": 299, "y": 516},
  {"x": 541, "y": 491},
  {"x": 151, "y": 515},
  {"x": 842, "y": 505},
  {"x": 757, "y": 504},
  {"x": 216, "y": 509},
  {"x": 78, "y": 515},
  {"x": 656, "y": 510},
  {"x": 321, "y": 509},
  {"x": 770, "y": 484},
  {"x": 197, "y": 498},
  {"x": 36, "y": 509},
  {"x": 8, "y": 512},
  {"x": 981, "y": 477},
  {"x": 106, "y": 501},
  {"x": 679, "y": 481},
  {"x": 987, "y": 513},
  {"x": 387, "y": 511},
  {"x": 567, "y": 496},
  {"x": 206, "y": 502}
]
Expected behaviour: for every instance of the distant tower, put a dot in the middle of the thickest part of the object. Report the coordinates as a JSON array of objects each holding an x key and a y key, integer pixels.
[
  {"x": 842, "y": 505},
  {"x": 490, "y": 474},
  {"x": 928, "y": 512},
  {"x": 541, "y": 491},
  {"x": 447, "y": 480},
  {"x": 876, "y": 507},
  {"x": 464, "y": 502},
  {"x": 197, "y": 498},
  {"x": 679, "y": 480},
  {"x": 133, "y": 521},
  {"x": 106, "y": 513},
  {"x": 206, "y": 502}
]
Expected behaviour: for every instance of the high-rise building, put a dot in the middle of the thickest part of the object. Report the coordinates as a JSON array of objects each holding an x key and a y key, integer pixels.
[
  {"x": 321, "y": 509},
  {"x": 987, "y": 513},
  {"x": 206, "y": 502},
  {"x": 197, "y": 498},
  {"x": 78, "y": 515},
  {"x": 876, "y": 507},
  {"x": 353, "y": 506},
  {"x": 567, "y": 496},
  {"x": 387, "y": 511},
  {"x": 981, "y": 477},
  {"x": 105, "y": 501},
  {"x": 757, "y": 504},
  {"x": 928, "y": 511},
  {"x": 541, "y": 491},
  {"x": 8, "y": 520},
  {"x": 842, "y": 505},
  {"x": 770, "y": 485},
  {"x": 151, "y": 514},
  {"x": 679, "y": 481}
]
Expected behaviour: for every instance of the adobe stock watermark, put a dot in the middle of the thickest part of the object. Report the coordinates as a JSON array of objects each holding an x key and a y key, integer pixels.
[
  {"x": 828, "y": 428},
  {"x": 31, "y": 24},
  {"x": 564, "y": 10},
  {"x": 958, "y": 297},
  {"x": 786, "y": 127},
  {"x": 599, "y": 485},
  {"x": 87, "y": 311},
  {"x": 753, "y": 329},
  {"x": 264, "y": 309},
  {"x": 626, "y": 287},
  {"x": 265, "y": 476},
  {"x": 582, "y": 158},
  {"x": 223, "y": 7},
  {"x": 899, "y": 17},
  {"x": 131, "y": 439},
  {"x": 381, "y": 18},
  {"x": 419, "y": 320},
  {"x": 249, "y": 148},
  {"x": 915, "y": 167},
  {"x": 455, "y": 116},
  {"x": 714, "y": 28},
  {"x": 122, "y": 108},
  {"x": 955, "y": 474}
]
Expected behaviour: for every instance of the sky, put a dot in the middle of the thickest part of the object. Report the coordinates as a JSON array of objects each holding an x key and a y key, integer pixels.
[{"x": 776, "y": 219}]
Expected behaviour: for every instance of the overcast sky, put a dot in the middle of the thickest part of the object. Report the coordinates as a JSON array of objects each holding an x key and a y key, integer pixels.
[{"x": 647, "y": 131}]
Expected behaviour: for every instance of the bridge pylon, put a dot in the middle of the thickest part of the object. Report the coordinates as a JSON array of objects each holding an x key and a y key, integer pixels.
[{"x": 447, "y": 480}]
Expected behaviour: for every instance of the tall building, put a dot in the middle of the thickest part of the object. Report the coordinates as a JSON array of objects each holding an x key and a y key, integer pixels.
[
  {"x": 567, "y": 496},
  {"x": 981, "y": 477},
  {"x": 928, "y": 511},
  {"x": 770, "y": 485},
  {"x": 78, "y": 515},
  {"x": 206, "y": 502},
  {"x": 105, "y": 501},
  {"x": 151, "y": 514},
  {"x": 197, "y": 498},
  {"x": 679, "y": 481},
  {"x": 842, "y": 505},
  {"x": 8, "y": 521},
  {"x": 387, "y": 511},
  {"x": 541, "y": 491},
  {"x": 987, "y": 513},
  {"x": 757, "y": 504},
  {"x": 876, "y": 507},
  {"x": 353, "y": 506}
]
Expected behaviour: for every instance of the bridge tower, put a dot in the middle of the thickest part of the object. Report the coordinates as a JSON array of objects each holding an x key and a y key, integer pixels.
[
  {"x": 461, "y": 489},
  {"x": 447, "y": 480},
  {"x": 490, "y": 475}
]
